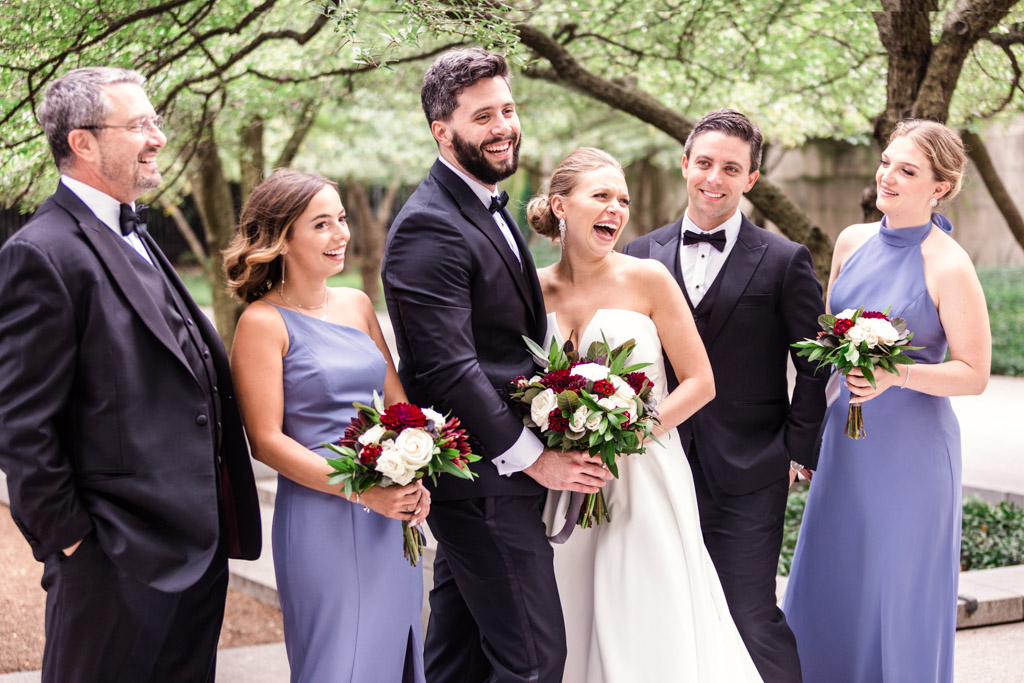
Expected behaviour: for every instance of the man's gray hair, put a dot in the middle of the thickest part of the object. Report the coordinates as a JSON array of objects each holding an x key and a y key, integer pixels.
[
  {"x": 451, "y": 73},
  {"x": 75, "y": 100}
]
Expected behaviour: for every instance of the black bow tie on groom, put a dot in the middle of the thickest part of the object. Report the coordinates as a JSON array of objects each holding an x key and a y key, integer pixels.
[
  {"x": 133, "y": 220},
  {"x": 498, "y": 203},
  {"x": 715, "y": 239}
]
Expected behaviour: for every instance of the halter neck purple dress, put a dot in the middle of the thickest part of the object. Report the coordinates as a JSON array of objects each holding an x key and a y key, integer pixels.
[
  {"x": 351, "y": 602},
  {"x": 872, "y": 593}
]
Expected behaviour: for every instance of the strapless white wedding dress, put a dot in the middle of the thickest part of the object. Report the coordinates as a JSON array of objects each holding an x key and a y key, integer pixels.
[{"x": 640, "y": 595}]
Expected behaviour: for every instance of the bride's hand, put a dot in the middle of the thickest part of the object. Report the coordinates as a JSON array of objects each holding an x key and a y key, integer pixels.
[
  {"x": 860, "y": 388},
  {"x": 409, "y": 503},
  {"x": 569, "y": 471}
]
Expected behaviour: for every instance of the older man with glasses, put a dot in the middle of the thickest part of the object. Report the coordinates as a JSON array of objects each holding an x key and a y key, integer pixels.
[{"x": 119, "y": 432}]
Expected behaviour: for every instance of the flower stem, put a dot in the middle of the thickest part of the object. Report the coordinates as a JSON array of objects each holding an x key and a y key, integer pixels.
[
  {"x": 413, "y": 543},
  {"x": 855, "y": 422}
]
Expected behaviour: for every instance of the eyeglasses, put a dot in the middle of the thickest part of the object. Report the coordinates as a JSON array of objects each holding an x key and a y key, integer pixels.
[{"x": 144, "y": 125}]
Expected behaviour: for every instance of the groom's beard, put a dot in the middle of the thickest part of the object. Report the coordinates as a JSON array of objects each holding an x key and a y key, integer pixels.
[{"x": 474, "y": 160}]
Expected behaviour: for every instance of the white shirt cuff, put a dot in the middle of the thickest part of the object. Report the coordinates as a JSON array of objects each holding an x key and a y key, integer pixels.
[{"x": 523, "y": 453}]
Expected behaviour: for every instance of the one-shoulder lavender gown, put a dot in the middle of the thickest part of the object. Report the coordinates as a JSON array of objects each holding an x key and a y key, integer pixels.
[
  {"x": 872, "y": 593},
  {"x": 350, "y": 600}
]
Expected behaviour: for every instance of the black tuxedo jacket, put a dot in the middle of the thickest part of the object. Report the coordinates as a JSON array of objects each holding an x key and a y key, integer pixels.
[
  {"x": 768, "y": 297},
  {"x": 104, "y": 427},
  {"x": 460, "y": 303}
]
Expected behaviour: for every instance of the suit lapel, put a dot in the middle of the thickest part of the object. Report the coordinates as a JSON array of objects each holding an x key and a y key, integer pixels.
[
  {"x": 735, "y": 274},
  {"x": 667, "y": 251},
  {"x": 113, "y": 255},
  {"x": 477, "y": 214}
]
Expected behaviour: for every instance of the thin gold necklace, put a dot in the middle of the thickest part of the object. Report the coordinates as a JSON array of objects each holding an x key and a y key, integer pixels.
[{"x": 323, "y": 304}]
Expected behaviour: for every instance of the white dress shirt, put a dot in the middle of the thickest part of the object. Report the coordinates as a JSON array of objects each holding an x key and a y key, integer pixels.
[
  {"x": 701, "y": 262},
  {"x": 485, "y": 195},
  {"x": 108, "y": 210},
  {"x": 527, "y": 448}
]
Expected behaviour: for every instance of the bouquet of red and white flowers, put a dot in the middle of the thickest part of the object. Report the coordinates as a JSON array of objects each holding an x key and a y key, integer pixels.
[
  {"x": 860, "y": 339},
  {"x": 595, "y": 403},
  {"x": 398, "y": 445}
]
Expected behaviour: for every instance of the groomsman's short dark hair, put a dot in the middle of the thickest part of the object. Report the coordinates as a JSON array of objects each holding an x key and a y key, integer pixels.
[
  {"x": 730, "y": 122},
  {"x": 452, "y": 72}
]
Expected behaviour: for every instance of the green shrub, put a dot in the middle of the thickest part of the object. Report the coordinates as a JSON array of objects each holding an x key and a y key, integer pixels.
[
  {"x": 992, "y": 536},
  {"x": 1004, "y": 292}
]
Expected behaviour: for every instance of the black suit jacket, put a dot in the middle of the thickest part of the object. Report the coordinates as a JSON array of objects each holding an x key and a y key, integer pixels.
[
  {"x": 768, "y": 298},
  {"x": 460, "y": 303},
  {"x": 103, "y": 426}
]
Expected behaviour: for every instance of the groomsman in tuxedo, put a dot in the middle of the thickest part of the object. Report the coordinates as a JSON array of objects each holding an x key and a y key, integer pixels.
[
  {"x": 462, "y": 291},
  {"x": 127, "y": 467},
  {"x": 752, "y": 293}
]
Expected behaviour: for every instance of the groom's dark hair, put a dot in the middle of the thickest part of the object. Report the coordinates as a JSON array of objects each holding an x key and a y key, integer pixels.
[
  {"x": 729, "y": 122},
  {"x": 451, "y": 73}
]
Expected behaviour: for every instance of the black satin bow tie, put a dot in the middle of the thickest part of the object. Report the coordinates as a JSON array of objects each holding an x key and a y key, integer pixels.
[
  {"x": 715, "y": 239},
  {"x": 498, "y": 203},
  {"x": 133, "y": 220}
]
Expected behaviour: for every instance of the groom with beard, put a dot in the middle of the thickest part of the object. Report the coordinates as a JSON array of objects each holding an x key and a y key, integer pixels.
[
  {"x": 752, "y": 294},
  {"x": 462, "y": 290}
]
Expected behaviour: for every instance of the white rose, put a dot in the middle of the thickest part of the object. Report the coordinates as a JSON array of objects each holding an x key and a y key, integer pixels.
[
  {"x": 623, "y": 391},
  {"x": 882, "y": 329},
  {"x": 593, "y": 422},
  {"x": 391, "y": 464},
  {"x": 371, "y": 435},
  {"x": 591, "y": 371},
  {"x": 857, "y": 333},
  {"x": 542, "y": 404},
  {"x": 435, "y": 417},
  {"x": 847, "y": 313},
  {"x": 612, "y": 402},
  {"x": 579, "y": 419},
  {"x": 416, "y": 446}
]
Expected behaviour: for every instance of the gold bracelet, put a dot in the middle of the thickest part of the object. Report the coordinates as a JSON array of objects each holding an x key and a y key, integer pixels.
[{"x": 906, "y": 379}]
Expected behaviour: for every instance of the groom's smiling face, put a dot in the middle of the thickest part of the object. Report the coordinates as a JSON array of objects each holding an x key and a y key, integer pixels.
[{"x": 483, "y": 135}]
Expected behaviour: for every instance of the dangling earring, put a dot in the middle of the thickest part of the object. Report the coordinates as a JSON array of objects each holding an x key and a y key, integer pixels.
[
  {"x": 933, "y": 202},
  {"x": 282, "y": 271},
  {"x": 561, "y": 232}
]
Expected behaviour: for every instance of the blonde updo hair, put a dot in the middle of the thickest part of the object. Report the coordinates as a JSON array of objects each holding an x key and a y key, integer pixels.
[
  {"x": 943, "y": 147},
  {"x": 562, "y": 183},
  {"x": 252, "y": 260}
]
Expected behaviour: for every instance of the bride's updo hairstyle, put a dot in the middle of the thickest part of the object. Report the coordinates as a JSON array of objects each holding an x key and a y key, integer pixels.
[
  {"x": 942, "y": 146},
  {"x": 252, "y": 260},
  {"x": 562, "y": 182}
]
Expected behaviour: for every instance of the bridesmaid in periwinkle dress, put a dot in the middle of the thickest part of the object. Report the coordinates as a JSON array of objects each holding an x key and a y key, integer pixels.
[
  {"x": 872, "y": 593},
  {"x": 302, "y": 354}
]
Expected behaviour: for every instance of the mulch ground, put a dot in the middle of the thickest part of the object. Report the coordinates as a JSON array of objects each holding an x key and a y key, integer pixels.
[{"x": 23, "y": 601}]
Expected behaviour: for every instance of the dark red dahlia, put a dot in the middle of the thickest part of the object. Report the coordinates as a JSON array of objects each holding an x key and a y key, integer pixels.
[
  {"x": 368, "y": 456},
  {"x": 637, "y": 381},
  {"x": 359, "y": 424},
  {"x": 560, "y": 380},
  {"x": 556, "y": 422},
  {"x": 842, "y": 326},
  {"x": 402, "y": 415},
  {"x": 874, "y": 314},
  {"x": 603, "y": 387}
]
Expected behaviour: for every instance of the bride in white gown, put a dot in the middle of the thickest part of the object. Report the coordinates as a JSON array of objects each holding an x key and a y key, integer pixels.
[{"x": 640, "y": 595}]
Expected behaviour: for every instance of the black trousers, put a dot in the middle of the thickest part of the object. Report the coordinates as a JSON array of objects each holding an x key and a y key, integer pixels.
[
  {"x": 743, "y": 535},
  {"x": 102, "y": 626},
  {"x": 494, "y": 608}
]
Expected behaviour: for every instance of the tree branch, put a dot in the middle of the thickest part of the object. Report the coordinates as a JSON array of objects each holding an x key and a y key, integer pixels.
[{"x": 983, "y": 162}]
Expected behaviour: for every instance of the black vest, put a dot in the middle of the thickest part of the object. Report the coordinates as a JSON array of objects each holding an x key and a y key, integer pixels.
[
  {"x": 158, "y": 285},
  {"x": 702, "y": 312}
]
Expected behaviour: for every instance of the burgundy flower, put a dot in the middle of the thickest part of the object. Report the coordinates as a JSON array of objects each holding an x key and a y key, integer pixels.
[
  {"x": 603, "y": 387},
  {"x": 637, "y": 380},
  {"x": 556, "y": 422},
  {"x": 842, "y": 326},
  {"x": 518, "y": 381},
  {"x": 453, "y": 436},
  {"x": 560, "y": 380},
  {"x": 368, "y": 456},
  {"x": 359, "y": 424},
  {"x": 874, "y": 314},
  {"x": 402, "y": 415}
]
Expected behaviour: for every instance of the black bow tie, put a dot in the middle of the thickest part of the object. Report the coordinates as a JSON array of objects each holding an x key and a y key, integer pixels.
[
  {"x": 715, "y": 239},
  {"x": 498, "y": 203},
  {"x": 133, "y": 220}
]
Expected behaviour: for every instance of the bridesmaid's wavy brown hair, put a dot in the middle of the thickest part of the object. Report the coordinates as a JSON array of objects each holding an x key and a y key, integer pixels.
[{"x": 252, "y": 260}]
